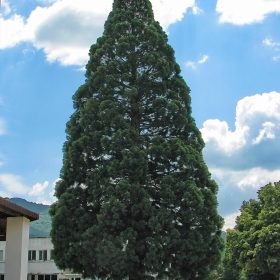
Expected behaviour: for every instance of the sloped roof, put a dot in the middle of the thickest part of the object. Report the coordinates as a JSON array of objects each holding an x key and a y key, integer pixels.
[{"x": 10, "y": 209}]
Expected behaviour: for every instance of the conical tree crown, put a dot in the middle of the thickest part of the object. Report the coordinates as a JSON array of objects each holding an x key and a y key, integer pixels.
[
  {"x": 136, "y": 192},
  {"x": 141, "y": 8}
]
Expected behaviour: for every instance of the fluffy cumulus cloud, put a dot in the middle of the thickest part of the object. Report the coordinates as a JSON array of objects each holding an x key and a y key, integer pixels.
[
  {"x": 254, "y": 142},
  {"x": 43, "y": 193},
  {"x": 12, "y": 31},
  {"x": 12, "y": 185},
  {"x": 168, "y": 12},
  {"x": 246, "y": 11},
  {"x": 65, "y": 29},
  {"x": 39, "y": 189},
  {"x": 245, "y": 159}
]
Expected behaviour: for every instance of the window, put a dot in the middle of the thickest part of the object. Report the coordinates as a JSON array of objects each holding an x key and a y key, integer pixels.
[
  {"x": 32, "y": 255},
  {"x": 47, "y": 277},
  {"x": 43, "y": 255},
  {"x": 1, "y": 255},
  {"x": 1, "y": 276}
]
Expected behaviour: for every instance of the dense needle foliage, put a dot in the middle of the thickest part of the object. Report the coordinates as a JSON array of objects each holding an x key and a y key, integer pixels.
[{"x": 135, "y": 199}]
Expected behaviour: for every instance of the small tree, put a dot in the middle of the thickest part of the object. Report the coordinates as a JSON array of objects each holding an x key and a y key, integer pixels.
[
  {"x": 135, "y": 199},
  {"x": 254, "y": 244}
]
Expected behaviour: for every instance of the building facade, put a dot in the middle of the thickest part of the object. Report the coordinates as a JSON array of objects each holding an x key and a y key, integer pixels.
[{"x": 41, "y": 266}]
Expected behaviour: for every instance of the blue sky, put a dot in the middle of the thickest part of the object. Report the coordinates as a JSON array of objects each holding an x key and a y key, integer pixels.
[{"x": 229, "y": 54}]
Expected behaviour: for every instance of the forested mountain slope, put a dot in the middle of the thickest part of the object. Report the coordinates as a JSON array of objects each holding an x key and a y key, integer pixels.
[{"x": 42, "y": 227}]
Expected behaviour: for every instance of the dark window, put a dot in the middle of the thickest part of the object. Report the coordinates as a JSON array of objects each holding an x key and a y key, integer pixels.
[
  {"x": 51, "y": 255},
  {"x": 2, "y": 277},
  {"x": 43, "y": 255},
  {"x": 32, "y": 255},
  {"x": 32, "y": 277},
  {"x": 45, "y": 277}
]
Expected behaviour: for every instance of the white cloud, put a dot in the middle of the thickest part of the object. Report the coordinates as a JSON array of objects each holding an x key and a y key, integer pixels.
[
  {"x": 66, "y": 29},
  {"x": 204, "y": 58},
  {"x": 275, "y": 46},
  {"x": 218, "y": 132},
  {"x": 12, "y": 31},
  {"x": 230, "y": 221},
  {"x": 257, "y": 119},
  {"x": 258, "y": 177},
  {"x": 13, "y": 185},
  {"x": 247, "y": 158},
  {"x": 253, "y": 178},
  {"x": 168, "y": 12},
  {"x": 193, "y": 64},
  {"x": 44, "y": 193},
  {"x": 269, "y": 42},
  {"x": 56, "y": 181},
  {"x": 5, "y": 7},
  {"x": 196, "y": 10},
  {"x": 265, "y": 133},
  {"x": 39, "y": 189},
  {"x": 246, "y": 11},
  {"x": 235, "y": 186}
]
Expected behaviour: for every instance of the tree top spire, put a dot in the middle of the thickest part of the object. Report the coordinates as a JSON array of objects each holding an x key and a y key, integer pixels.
[{"x": 134, "y": 5}]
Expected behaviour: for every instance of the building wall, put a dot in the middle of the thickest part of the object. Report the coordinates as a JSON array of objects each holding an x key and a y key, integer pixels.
[
  {"x": 42, "y": 264},
  {"x": 2, "y": 261}
]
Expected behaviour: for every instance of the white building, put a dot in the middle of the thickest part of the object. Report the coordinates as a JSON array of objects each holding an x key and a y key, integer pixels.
[{"x": 41, "y": 266}]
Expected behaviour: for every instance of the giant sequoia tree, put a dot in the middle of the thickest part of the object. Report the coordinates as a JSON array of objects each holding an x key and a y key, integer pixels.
[{"x": 135, "y": 199}]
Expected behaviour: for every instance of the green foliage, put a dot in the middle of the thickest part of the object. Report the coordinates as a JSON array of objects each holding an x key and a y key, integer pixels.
[
  {"x": 135, "y": 200},
  {"x": 254, "y": 244},
  {"x": 41, "y": 227}
]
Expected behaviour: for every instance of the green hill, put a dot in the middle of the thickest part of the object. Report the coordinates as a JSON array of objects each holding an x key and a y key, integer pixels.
[{"x": 41, "y": 227}]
